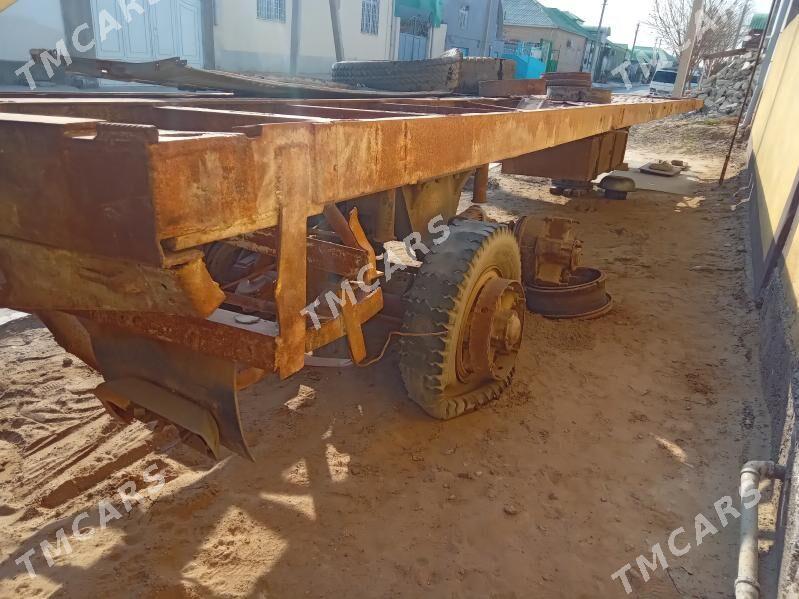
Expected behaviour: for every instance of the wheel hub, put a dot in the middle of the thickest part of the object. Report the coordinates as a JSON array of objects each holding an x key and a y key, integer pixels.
[
  {"x": 506, "y": 330},
  {"x": 495, "y": 329}
]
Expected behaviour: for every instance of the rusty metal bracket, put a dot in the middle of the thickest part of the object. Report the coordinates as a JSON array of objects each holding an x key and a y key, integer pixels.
[{"x": 180, "y": 385}]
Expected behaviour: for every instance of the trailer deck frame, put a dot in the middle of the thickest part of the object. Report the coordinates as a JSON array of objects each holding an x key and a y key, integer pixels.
[{"x": 106, "y": 207}]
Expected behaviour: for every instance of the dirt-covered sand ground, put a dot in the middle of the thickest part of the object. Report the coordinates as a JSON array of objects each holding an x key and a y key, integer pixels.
[{"x": 614, "y": 433}]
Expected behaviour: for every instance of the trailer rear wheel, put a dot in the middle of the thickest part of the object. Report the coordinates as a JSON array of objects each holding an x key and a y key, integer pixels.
[{"x": 469, "y": 291}]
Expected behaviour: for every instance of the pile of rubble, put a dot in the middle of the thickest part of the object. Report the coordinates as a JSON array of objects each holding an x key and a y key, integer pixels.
[{"x": 724, "y": 92}]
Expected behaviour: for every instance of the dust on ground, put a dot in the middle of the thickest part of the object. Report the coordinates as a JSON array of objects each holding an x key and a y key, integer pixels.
[{"x": 614, "y": 433}]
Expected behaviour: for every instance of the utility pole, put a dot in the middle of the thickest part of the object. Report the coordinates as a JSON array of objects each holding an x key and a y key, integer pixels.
[
  {"x": 739, "y": 35},
  {"x": 635, "y": 39},
  {"x": 598, "y": 39},
  {"x": 295, "y": 36},
  {"x": 336, "y": 22},
  {"x": 687, "y": 50},
  {"x": 632, "y": 58},
  {"x": 492, "y": 10}
]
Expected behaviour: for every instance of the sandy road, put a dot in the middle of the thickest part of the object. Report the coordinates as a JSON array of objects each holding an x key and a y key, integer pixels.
[{"x": 614, "y": 433}]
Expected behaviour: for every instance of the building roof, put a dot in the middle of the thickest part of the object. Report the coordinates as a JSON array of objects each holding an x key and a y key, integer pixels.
[
  {"x": 758, "y": 22},
  {"x": 527, "y": 13},
  {"x": 530, "y": 13},
  {"x": 567, "y": 22},
  {"x": 649, "y": 51},
  {"x": 572, "y": 15}
]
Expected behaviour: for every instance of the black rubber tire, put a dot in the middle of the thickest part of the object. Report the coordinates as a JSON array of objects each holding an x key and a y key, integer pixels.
[
  {"x": 437, "y": 301},
  {"x": 220, "y": 259},
  {"x": 436, "y": 74}
]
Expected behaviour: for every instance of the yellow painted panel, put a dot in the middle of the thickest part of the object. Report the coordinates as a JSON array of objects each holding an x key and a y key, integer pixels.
[{"x": 775, "y": 136}]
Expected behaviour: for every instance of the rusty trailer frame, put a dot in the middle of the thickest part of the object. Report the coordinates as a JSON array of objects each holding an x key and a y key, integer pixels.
[{"x": 109, "y": 208}]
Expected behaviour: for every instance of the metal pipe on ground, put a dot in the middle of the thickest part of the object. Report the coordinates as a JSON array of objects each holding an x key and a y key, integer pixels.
[{"x": 747, "y": 585}]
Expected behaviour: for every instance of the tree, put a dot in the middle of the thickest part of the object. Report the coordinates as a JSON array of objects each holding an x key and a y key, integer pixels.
[{"x": 719, "y": 29}]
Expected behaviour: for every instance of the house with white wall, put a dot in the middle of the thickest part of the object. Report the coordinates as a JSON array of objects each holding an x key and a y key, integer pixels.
[
  {"x": 474, "y": 26},
  {"x": 257, "y": 35},
  {"x": 528, "y": 21},
  {"x": 262, "y": 36}
]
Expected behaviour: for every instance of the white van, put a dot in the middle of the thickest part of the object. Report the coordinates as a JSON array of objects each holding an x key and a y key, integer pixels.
[{"x": 662, "y": 83}]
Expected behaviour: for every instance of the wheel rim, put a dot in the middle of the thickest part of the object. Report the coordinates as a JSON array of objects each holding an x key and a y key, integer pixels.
[{"x": 490, "y": 339}]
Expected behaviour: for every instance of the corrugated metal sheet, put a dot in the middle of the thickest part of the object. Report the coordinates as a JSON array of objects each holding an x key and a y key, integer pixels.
[
  {"x": 527, "y": 13},
  {"x": 758, "y": 22}
]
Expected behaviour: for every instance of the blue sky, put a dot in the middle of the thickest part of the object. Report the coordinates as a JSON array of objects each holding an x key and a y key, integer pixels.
[{"x": 622, "y": 16}]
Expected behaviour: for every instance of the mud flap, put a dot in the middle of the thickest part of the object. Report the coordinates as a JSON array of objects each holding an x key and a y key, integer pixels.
[{"x": 196, "y": 392}]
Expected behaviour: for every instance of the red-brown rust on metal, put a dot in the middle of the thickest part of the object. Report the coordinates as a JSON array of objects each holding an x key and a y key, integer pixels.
[
  {"x": 95, "y": 196},
  {"x": 290, "y": 291},
  {"x": 123, "y": 197},
  {"x": 46, "y": 278},
  {"x": 367, "y": 307},
  {"x": 490, "y": 335},
  {"x": 323, "y": 255},
  {"x": 203, "y": 336},
  {"x": 340, "y": 225},
  {"x": 480, "y": 193},
  {"x": 361, "y": 241},
  {"x": 364, "y": 157},
  {"x": 250, "y": 303},
  {"x": 194, "y": 118},
  {"x": 513, "y": 87},
  {"x": 581, "y": 160},
  {"x": 220, "y": 184}
]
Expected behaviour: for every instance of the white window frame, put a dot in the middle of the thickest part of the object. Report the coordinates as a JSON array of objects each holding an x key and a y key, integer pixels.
[
  {"x": 271, "y": 10},
  {"x": 370, "y": 17}
]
